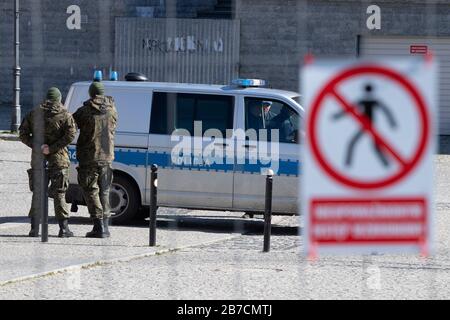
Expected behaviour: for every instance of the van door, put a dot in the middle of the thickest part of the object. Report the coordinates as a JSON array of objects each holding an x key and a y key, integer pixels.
[
  {"x": 131, "y": 142},
  {"x": 188, "y": 177},
  {"x": 265, "y": 150}
]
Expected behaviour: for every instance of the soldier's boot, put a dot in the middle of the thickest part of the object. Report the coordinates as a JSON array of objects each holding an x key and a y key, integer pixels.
[
  {"x": 106, "y": 222},
  {"x": 64, "y": 231},
  {"x": 98, "y": 231},
  {"x": 34, "y": 232}
]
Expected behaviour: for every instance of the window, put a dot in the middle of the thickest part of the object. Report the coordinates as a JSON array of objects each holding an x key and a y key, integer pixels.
[
  {"x": 269, "y": 114},
  {"x": 171, "y": 111}
]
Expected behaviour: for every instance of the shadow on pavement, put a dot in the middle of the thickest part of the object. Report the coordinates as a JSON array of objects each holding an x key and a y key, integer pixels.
[
  {"x": 15, "y": 236},
  {"x": 215, "y": 224},
  {"x": 14, "y": 220}
]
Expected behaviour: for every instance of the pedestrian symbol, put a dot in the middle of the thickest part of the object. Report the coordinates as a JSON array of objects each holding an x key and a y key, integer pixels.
[
  {"x": 363, "y": 113},
  {"x": 367, "y": 183},
  {"x": 367, "y": 107}
]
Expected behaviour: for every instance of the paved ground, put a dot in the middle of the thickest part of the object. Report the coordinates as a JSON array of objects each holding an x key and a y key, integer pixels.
[{"x": 217, "y": 256}]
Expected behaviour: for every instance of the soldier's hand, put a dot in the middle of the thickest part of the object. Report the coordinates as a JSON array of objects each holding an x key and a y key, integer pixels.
[{"x": 45, "y": 149}]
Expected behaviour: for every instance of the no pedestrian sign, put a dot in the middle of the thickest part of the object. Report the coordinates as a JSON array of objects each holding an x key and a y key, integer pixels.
[{"x": 367, "y": 183}]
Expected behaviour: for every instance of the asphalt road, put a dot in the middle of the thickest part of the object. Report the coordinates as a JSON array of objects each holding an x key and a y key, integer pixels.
[{"x": 222, "y": 258}]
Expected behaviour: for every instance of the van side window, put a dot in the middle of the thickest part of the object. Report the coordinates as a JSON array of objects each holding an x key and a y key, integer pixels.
[
  {"x": 171, "y": 111},
  {"x": 269, "y": 114},
  {"x": 216, "y": 112}
]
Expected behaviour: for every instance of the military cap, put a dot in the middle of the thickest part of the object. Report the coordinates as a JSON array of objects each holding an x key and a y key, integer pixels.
[
  {"x": 96, "y": 89},
  {"x": 54, "y": 95}
]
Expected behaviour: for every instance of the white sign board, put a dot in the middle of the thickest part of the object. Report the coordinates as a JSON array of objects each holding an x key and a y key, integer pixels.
[{"x": 368, "y": 162}]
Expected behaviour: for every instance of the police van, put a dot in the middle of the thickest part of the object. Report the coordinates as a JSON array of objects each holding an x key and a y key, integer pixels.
[{"x": 155, "y": 118}]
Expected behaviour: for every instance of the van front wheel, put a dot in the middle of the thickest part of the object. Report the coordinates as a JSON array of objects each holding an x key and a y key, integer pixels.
[{"x": 123, "y": 200}]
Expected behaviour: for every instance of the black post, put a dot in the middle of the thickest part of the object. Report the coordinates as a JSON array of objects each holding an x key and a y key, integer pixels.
[
  {"x": 268, "y": 212},
  {"x": 153, "y": 204},
  {"x": 15, "y": 116},
  {"x": 44, "y": 201}
]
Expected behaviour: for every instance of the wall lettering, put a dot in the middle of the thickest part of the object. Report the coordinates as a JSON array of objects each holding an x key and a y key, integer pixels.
[
  {"x": 374, "y": 21},
  {"x": 74, "y": 20}
]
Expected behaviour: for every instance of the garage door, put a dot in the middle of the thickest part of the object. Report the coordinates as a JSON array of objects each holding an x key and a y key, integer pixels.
[{"x": 407, "y": 46}]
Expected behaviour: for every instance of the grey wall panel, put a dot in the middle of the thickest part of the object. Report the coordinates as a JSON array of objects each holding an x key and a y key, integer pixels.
[
  {"x": 178, "y": 50},
  {"x": 376, "y": 46}
]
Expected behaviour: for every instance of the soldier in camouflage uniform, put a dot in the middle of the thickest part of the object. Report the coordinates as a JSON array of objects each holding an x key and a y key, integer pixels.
[
  {"x": 48, "y": 130},
  {"x": 97, "y": 120}
]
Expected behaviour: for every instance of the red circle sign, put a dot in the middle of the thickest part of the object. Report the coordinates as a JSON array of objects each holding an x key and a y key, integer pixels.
[{"x": 406, "y": 165}]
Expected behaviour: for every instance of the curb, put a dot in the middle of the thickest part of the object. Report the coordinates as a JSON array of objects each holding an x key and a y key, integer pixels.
[
  {"x": 9, "y": 137},
  {"x": 99, "y": 263}
]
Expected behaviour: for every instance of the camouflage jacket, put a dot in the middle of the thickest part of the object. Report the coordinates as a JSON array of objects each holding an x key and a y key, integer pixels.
[
  {"x": 97, "y": 121},
  {"x": 50, "y": 124}
]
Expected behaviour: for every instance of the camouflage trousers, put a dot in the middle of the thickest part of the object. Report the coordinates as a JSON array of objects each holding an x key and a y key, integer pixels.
[
  {"x": 59, "y": 183},
  {"x": 96, "y": 184}
]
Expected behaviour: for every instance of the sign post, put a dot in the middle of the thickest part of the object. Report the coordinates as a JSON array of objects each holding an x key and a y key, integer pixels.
[{"x": 368, "y": 162}]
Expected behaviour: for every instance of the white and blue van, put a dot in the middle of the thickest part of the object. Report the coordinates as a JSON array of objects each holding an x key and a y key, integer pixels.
[{"x": 151, "y": 113}]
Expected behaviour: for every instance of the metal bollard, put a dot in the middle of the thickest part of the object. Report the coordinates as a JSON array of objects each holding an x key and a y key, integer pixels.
[
  {"x": 268, "y": 212},
  {"x": 153, "y": 204},
  {"x": 44, "y": 202}
]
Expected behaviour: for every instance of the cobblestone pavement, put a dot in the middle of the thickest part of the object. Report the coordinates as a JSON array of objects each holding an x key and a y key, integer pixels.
[
  {"x": 236, "y": 269},
  {"x": 233, "y": 267}
]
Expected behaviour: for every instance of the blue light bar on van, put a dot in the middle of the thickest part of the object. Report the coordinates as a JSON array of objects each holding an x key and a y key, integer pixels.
[
  {"x": 98, "y": 76},
  {"x": 113, "y": 76},
  {"x": 249, "y": 82}
]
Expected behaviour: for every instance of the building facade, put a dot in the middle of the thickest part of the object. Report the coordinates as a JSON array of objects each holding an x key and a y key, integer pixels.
[{"x": 273, "y": 37}]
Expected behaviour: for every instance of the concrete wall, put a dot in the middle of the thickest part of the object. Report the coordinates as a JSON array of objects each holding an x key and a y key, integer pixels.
[
  {"x": 53, "y": 55},
  {"x": 276, "y": 34}
]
